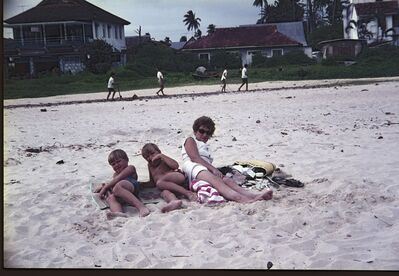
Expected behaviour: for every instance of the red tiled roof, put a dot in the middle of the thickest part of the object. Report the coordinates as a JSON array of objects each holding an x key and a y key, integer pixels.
[
  {"x": 238, "y": 37},
  {"x": 65, "y": 10},
  {"x": 365, "y": 9}
]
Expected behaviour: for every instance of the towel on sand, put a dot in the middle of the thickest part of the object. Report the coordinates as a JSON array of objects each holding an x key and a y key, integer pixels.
[{"x": 205, "y": 192}]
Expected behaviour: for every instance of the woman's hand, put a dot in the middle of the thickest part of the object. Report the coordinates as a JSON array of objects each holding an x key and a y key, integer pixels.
[{"x": 217, "y": 173}]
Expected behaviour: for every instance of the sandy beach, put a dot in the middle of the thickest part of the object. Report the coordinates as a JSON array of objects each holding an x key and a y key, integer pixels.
[{"x": 339, "y": 137}]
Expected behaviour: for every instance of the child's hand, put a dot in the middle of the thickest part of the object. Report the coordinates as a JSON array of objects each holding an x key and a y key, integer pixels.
[
  {"x": 156, "y": 159},
  {"x": 103, "y": 192},
  {"x": 98, "y": 189}
]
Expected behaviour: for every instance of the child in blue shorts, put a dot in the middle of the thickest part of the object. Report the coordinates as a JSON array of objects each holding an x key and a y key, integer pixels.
[{"x": 123, "y": 188}]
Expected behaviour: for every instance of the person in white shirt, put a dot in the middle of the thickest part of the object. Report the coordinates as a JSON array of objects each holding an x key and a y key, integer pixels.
[
  {"x": 223, "y": 79},
  {"x": 244, "y": 77},
  {"x": 161, "y": 82},
  {"x": 111, "y": 88}
]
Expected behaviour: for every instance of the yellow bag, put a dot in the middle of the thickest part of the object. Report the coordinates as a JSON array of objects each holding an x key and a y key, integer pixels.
[{"x": 258, "y": 165}]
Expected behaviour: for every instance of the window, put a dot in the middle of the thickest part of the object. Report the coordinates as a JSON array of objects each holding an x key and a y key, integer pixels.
[
  {"x": 116, "y": 31},
  {"x": 204, "y": 56},
  {"x": 109, "y": 31},
  {"x": 277, "y": 52},
  {"x": 96, "y": 29},
  {"x": 120, "y": 32},
  {"x": 103, "y": 30},
  {"x": 251, "y": 53}
]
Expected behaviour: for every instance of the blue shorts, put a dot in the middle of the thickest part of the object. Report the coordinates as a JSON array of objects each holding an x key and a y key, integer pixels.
[{"x": 135, "y": 183}]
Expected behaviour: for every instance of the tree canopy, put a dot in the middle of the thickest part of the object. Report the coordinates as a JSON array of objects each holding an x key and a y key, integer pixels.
[{"x": 191, "y": 21}]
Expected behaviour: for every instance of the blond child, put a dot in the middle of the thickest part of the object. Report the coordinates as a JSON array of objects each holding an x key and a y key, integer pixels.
[
  {"x": 165, "y": 174},
  {"x": 123, "y": 188}
]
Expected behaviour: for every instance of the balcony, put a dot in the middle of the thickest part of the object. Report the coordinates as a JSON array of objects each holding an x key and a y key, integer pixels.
[{"x": 52, "y": 45}]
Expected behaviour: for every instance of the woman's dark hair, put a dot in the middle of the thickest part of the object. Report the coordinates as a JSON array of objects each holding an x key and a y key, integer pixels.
[{"x": 204, "y": 121}]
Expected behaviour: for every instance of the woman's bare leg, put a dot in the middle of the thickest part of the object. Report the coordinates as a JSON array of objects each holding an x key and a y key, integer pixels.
[
  {"x": 222, "y": 188},
  {"x": 268, "y": 194}
]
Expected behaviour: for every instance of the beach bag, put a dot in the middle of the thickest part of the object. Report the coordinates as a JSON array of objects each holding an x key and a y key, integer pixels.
[{"x": 257, "y": 166}]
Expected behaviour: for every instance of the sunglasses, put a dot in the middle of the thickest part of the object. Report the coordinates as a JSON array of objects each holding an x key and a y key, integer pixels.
[{"x": 203, "y": 131}]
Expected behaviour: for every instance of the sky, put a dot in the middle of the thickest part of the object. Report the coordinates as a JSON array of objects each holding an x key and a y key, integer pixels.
[{"x": 161, "y": 18}]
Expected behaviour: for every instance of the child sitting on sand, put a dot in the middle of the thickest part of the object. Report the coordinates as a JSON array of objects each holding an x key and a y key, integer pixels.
[
  {"x": 123, "y": 188},
  {"x": 165, "y": 174}
]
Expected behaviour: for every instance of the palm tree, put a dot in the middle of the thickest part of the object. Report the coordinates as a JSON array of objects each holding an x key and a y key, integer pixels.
[
  {"x": 263, "y": 5},
  {"x": 167, "y": 40},
  {"x": 190, "y": 21},
  {"x": 211, "y": 29},
  {"x": 198, "y": 34}
]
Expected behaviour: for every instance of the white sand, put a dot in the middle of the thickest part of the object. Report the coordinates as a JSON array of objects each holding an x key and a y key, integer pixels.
[{"x": 346, "y": 216}]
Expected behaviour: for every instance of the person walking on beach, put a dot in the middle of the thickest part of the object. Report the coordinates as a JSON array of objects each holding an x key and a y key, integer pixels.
[
  {"x": 224, "y": 78},
  {"x": 165, "y": 174},
  {"x": 161, "y": 82},
  {"x": 111, "y": 84},
  {"x": 244, "y": 77},
  {"x": 123, "y": 188},
  {"x": 197, "y": 164}
]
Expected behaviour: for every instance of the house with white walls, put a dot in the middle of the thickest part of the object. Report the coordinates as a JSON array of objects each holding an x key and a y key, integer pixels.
[
  {"x": 375, "y": 21},
  {"x": 269, "y": 40},
  {"x": 50, "y": 35}
]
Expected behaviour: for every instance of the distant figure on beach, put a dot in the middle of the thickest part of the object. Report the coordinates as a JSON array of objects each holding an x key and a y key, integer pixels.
[
  {"x": 161, "y": 82},
  {"x": 123, "y": 188},
  {"x": 197, "y": 164},
  {"x": 165, "y": 174},
  {"x": 224, "y": 78},
  {"x": 244, "y": 77},
  {"x": 111, "y": 84}
]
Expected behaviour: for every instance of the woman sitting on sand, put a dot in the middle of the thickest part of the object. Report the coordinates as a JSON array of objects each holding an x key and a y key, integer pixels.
[{"x": 197, "y": 164}]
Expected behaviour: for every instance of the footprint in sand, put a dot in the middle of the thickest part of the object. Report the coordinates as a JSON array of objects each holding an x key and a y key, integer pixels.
[{"x": 11, "y": 162}]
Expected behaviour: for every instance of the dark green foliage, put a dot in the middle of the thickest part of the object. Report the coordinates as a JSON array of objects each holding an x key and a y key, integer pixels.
[
  {"x": 290, "y": 58},
  {"x": 284, "y": 11},
  {"x": 328, "y": 62},
  {"x": 221, "y": 58},
  {"x": 97, "y": 56},
  {"x": 148, "y": 56},
  {"x": 385, "y": 53},
  {"x": 323, "y": 33}
]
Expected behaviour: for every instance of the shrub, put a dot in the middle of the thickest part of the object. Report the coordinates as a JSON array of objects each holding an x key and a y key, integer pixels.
[
  {"x": 294, "y": 57},
  {"x": 97, "y": 56},
  {"x": 221, "y": 58},
  {"x": 387, "y": 53},
  {"x": 147, "y": 56}
]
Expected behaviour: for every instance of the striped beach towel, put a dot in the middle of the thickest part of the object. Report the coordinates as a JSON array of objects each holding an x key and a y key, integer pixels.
[{"x": 205, "y": 192}]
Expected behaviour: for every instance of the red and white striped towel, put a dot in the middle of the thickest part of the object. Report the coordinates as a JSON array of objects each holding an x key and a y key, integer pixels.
[{"x": 205, "y": 192}]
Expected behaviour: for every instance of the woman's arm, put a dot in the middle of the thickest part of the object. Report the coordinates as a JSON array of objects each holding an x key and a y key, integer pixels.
[{"x": 192, "y": 152}]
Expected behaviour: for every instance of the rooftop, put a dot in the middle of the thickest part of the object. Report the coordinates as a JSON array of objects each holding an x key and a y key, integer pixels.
[
  {"x": 64, "y": 10},
  {"x": 243, "y": 36}
]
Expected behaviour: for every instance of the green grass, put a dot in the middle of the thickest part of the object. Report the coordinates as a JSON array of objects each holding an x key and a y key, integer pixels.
[{"x": 372, "y": 63}]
